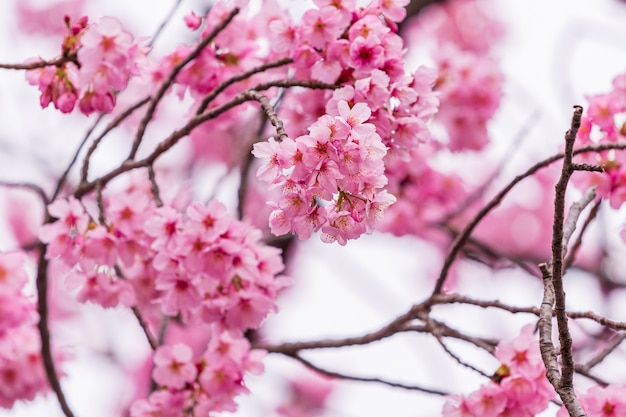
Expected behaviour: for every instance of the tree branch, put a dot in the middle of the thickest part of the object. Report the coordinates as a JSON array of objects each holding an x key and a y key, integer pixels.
[
  {"x": 44, "y": 332},
  {"x": 156, "y": 99}
]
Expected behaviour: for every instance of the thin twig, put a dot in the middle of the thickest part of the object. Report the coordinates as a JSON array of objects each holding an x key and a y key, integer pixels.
[
  {"x": 572, "y": 218},
  {"x": 164, "y": 23},
  {"x": 112, "y": 125},
  {"x": 28, "y": 186},
  {"x": 435, "y": 330},
  {"x": 590, "y": 315},
  {"x": 587, "y": 374},
  {"x": 154, "y": 344},
  {"x": 521, "y": 134},
  {"x": 461, "y": 239},
  {"x": 571, "y": 255},
  {"x": 100, "y": 203},
  {"x": 63, "y": 178},
  {"x": 600, "y": 356},
  {"x": 548, "y": 351},
  {"x": 334, "y": 374},
  {"x": 57, "y": 62},
  {"x": 156, "y": 99},
  {"x": 462, "y": 299},
  {"x": 491, "y": 252},
  {"x": 154, "y": 188},
  {"x": 44, "y": 331},
  {"x": 250, "y": 95},
  {"x": 240, "y": 77}
]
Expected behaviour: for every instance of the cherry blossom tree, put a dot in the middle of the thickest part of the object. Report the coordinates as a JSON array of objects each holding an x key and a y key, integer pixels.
[{"x": 211, "y": 170}]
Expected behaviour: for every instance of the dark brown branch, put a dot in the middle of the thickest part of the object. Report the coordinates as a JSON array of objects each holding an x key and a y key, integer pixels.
[
  {"x": 435, "y": 329},
  {"x": 491, "y": 252},
  {"x": 156, "y": 99},
  {"x": 250, "y": 95},
  {"x": 576, "y": 315},
  {"x": 290, "y": 349},
  {"x": 112, "y": 125},
  {"x": 554, "y": 293},
  {"x": 463, "y": 236},
  {"x": 154, "y": 187},
  {"x": 28, "y": 186},
  {"x": 590, "y": 315},
  {"x": 63, "y": 178},
  {"x": 338, "y": 375},
  {"x": 243, "y": 76},
  {"x": 44, "y": 331},
  {"x": 600, "y": 356},
  {"x": 154, "y": 344},
  {"x": 461, "y": 299},
  {"x": 587, "y": 167},
  {"x": 587, "y": 374},
  {"x": 558, "y": 251},
  {"x": 57, "y": 62}
]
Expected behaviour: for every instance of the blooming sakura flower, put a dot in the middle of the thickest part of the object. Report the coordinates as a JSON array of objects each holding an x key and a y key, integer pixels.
[
  {"x": 321, "y": 26},
  {"x": 275, "y": 155},
  {"x": 366, "y": 54},
  {"x": 192, "y": 21},
  {"x": 64, "y": 237},
  {"x": 101, "y": 287},
  {"x": 522, "y": 388},
  {"x": 105, "y": 41},
  {"x": 179, "y": 293},
  {"x": 173, "y": 366},
  {"x": 488, "y": 401},
  {"x": 283, "y": 35},
  {"x": 601, "y": 401},
  {"x": 355, "y": 115}
]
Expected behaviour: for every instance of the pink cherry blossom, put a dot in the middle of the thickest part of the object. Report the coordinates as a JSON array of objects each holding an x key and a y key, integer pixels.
[
  {"x": 192, "y": 21},
  {"x": 173, "y": 366}
]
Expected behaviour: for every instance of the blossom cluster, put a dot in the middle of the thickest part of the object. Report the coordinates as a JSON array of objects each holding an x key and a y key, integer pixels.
[
  {"x": 331, "y": 179},
  {"x": 22, "y": 374},
  {"x": 205, "y": 384},
  {"x": 469, "y": 79},
  {"x": 201, "y": 267},
  {"x": 205, "y": 264},
  {"x": 97, "y": 62},
  {"x": 519, "y": 386},
  {"x": 604, "y": 123},
  {"x": 361, "y": 51}
]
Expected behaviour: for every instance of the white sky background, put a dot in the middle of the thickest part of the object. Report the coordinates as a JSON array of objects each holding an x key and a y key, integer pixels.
[{"x": 555, "y": 52}]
